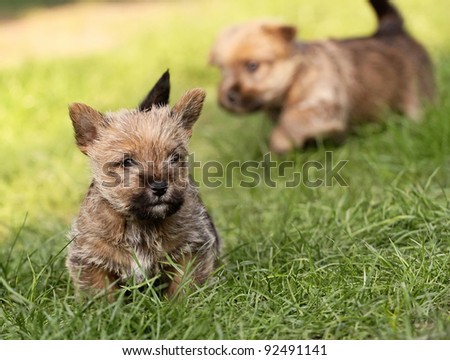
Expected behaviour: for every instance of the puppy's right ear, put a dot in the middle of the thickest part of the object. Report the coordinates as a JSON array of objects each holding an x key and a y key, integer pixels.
[
  {"x": 158, "y": 95},
  {"x": 285, "y": 32},
  {"x": 221, "y": 48},
  {"x": 85, "y": 122}
]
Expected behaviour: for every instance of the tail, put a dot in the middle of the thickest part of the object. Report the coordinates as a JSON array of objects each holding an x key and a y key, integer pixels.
[{"x": 390, "y": 22}]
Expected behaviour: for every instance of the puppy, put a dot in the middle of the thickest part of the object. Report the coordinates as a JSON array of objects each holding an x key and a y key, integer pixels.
[
  {"x": 320, "y": 89},
  {"x": 142, "y": 216}
]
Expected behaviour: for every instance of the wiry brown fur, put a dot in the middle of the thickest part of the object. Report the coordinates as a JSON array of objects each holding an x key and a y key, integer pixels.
[
  {"x": 320, "y": 89},
  {"x": 124, "y": 230}
]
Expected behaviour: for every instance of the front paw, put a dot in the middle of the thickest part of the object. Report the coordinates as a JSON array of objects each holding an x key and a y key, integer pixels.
[{"x": 280, "y": 142}]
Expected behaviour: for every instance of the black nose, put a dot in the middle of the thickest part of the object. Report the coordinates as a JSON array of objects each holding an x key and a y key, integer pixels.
[
  {"x": 232, "y": 96},
  {"x": 158, "y": 188}
]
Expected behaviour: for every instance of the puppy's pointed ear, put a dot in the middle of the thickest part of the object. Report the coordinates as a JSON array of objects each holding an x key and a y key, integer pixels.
[
  {"x": 85, "y": 122},
  {"x": 221, "y": 47},
  {"x": 285, "y": 32},
  {"x": 158, "y": 95},
  {"x": 188, "y": 108}
]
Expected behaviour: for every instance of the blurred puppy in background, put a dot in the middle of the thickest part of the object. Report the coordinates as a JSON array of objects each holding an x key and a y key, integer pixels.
[{"x": 317, "y": 90}]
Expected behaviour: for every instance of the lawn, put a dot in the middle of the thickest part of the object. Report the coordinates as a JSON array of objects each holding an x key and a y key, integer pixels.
[{"x": 365, "y": 260}]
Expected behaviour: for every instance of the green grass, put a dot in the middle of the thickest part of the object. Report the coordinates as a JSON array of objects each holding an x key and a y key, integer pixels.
[{"x": 367, "y": 261}]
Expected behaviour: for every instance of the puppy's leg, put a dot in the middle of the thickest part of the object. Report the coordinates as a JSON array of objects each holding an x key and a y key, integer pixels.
[
  {"x": 94, "y": 280},
  {"x": 297, "y": 125},
  {"x": 174, "y": 275},
  {"x": 198, "y": 268},
  {"x": 411, "y": 105}
]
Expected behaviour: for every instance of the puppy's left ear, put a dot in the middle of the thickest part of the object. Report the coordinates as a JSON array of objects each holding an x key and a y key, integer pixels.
[
  {"x": 158, "y": 95},
  {"x": 188, "y": 108},
  {"x": 285, "y": 32}
]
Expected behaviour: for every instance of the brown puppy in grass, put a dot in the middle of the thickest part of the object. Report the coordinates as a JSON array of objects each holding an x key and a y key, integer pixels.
[
  {"x": 142, "y": 216},
  {"x": 318, "y": 90}
]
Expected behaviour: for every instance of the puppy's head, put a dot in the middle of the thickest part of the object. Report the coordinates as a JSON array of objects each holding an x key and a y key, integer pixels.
[
  {"x": 138, "y": 157},
  {"x": 256, "y": 63}
]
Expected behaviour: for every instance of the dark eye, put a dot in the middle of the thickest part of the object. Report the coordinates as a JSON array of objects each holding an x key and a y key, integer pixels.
[
  {"x": 175, "y": 158},
  {"x": 126, "y": 163},
  {"x": 251, "y": 66}
]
